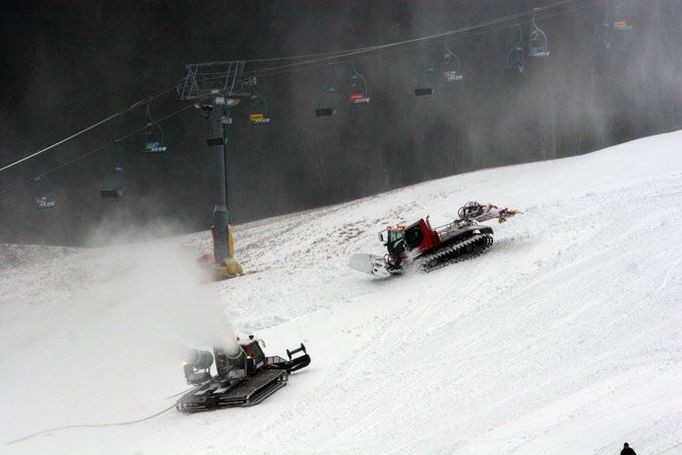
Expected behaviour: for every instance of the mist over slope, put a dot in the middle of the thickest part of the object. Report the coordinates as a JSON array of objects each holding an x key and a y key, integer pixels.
[
  {"x": 584, "y": 97},
  {"x": 563, "y": 338}
]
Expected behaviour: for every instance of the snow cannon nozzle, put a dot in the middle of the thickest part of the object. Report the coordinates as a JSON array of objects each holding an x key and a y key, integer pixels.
[
  {"x": 197, "y": 367},
  {"x": 200, "y": 360}
]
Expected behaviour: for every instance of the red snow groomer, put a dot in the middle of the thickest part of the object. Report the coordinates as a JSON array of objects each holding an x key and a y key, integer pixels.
[
  {"x": 430, "y": 248},
  {"x": 244, "y": 378}
]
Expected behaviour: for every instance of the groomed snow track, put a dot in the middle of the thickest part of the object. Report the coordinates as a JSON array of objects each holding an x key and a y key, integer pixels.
[{"x": 564, "y": 337}]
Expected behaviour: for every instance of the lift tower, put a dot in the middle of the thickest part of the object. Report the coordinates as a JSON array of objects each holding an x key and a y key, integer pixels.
[{"x": 215, "y": 89}]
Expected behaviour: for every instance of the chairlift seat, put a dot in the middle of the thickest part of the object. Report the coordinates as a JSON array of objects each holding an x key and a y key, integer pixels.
[
  {"x": 425, "y": 91},
  {"x": 154, "y": 147},
  {"x": 452, "y": 76},
  {"x": 111, "y": 193},
  {"x": 622, "y": 25},
  {"x": 325, "y": 112},
  {"x": 44, "y": 202},
  {"x": 359, "y": 98},
  {"x": 258, "y": 118},
  {"x": 539, "y": 51}
]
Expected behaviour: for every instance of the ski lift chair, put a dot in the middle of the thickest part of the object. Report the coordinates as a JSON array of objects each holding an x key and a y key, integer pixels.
[
  {"x": 622, "y": 25},
  {"x": 602, "y": 34},
  {"x": 620, "y": 22},
  {"x": 114, "y": 183},
  {"x": 424, "y": 91},
  {"x": 359, "y": 93},
  {"x": 325, "y": 104},
  {"x": 452, "y": 67},
  {"x": 427, "y": 86},
  {"x": 516, "y": 57},
  {"x": 538, "y": 45},
  {"x": 43, "y": 197},
  {"x": 615, "y": 20},
  {"x": 325, "y": 111},
  {"x": 258, "y": 114},
  {"x": 153, "y": 133}
]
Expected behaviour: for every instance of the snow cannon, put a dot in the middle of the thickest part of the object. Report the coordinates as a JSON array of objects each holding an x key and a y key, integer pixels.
[
  {"x": 197, "y": 367},
  {"x": 244, "y": 377},
  {"x": 201, "y": 360}
]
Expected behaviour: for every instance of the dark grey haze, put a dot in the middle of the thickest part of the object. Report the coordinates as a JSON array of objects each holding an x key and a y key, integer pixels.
[{"x": 67, "y": 64}]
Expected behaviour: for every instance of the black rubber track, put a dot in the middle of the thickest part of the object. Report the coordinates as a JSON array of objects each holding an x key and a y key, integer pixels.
[{"x": 457, "y": 252}]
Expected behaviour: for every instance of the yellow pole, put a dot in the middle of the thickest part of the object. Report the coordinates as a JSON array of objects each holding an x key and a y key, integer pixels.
[{"x": 232, "y": 266}]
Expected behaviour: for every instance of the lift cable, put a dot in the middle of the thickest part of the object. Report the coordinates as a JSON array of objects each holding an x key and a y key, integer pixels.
[
  {"x": 340, "y": 55},
  {"x": 120, "y": 113},
  {"x": 363, "y": 53},
  {"x": 317, "y": 58},
  {"x": 93, "y": 151},
  {"x": 347, "y": 52}
]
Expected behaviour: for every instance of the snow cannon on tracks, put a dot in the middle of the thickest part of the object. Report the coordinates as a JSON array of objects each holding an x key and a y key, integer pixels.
[
  {"x": 429, "y": 248},
  {"x": 244, "y": 377}
]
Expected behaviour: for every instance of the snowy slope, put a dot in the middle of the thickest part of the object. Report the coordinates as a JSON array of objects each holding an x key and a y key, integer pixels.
[{"x": 565, "y": 337}]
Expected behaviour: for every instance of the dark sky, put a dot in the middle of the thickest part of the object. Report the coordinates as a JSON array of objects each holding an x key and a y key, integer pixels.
[{"x": 65, "y": 65}]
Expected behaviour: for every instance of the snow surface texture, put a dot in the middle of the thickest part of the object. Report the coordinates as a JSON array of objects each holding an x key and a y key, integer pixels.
[{"x": 564, "y": 337}]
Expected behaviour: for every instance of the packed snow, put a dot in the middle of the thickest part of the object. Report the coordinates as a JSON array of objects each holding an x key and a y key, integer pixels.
[{"x": 564, "y": 337}]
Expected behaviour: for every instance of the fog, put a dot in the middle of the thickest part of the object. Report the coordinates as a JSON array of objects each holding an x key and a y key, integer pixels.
[
  {"x": 85, "y": 61},
  {"x": 136, "y": 312}
]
